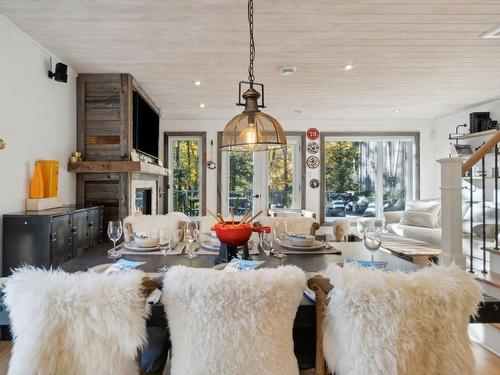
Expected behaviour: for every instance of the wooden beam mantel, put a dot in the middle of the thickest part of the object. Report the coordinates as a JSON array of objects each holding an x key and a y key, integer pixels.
[{"x": 116, "y": 166}]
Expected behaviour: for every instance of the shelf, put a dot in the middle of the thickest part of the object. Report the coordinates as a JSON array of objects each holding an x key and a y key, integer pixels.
[
  {"x": 117, "y": 166},
  {"x": 456, "y": 137}
]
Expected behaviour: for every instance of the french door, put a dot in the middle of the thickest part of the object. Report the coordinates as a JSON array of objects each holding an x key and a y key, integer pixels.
[
  {"x": 185, "y": 155},
  {"x": 261, "y": 180}
]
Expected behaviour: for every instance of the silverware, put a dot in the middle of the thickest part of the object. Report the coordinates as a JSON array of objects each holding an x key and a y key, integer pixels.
[{"x": 327, "y": 245}]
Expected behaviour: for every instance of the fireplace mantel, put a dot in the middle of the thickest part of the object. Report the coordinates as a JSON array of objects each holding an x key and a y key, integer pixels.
[{"x": 117, "y": 166}]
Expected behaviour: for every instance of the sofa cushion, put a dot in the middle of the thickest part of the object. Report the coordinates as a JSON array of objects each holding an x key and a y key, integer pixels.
[
  {"x": 430, "y": 235},
  {"x": 421, "y": 213}
]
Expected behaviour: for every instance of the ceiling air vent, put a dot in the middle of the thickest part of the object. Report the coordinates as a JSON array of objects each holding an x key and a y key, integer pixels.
[{"x": 492, "y": 34}]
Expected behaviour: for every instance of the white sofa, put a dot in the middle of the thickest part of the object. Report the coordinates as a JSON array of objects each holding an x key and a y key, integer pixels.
[{"x": 430, "y": 235}]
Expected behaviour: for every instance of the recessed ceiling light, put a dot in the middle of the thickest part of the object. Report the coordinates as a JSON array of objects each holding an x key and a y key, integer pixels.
[
  {"x": 396, "y": 111},
  {"x": 202, "y": 105},
  {"x": 197, "y": 83},
  {"x": 347, "y": 67},
  {"x": 287, "y": 71}
]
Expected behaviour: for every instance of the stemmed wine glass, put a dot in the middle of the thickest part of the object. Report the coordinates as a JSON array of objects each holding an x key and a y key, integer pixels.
[
  {"x": 267, "y": 243},
  {"x": 166, "y": 244},
  {"x": 372, "y": 239},
  {"x": 280, "y": 230},
  {"x": 115, "y": 231},
  {"x": 191, "y": 232}
]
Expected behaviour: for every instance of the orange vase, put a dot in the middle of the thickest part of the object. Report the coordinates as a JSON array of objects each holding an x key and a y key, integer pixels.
[
  {"x": 50, "y": 175},
  {"x": 36, "y": 184}
]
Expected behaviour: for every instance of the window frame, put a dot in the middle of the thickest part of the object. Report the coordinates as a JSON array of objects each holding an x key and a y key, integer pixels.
[
  {"x": 199, "y": 136},
  {"x": 375, "y": 135},
  {"x": 301, "y": 183}
]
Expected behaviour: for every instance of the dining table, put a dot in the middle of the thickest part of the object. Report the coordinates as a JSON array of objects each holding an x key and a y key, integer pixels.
[{"x": 489, "y": 310}]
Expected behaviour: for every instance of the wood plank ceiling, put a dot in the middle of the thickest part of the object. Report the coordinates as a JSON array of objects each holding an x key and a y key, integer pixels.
[{"x": 425, "y": 58}]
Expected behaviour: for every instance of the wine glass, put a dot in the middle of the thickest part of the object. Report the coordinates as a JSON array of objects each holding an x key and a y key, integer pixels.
[
  {"x": 267, "y": 243},
  {"x": 166, "y": 244},
  {"x": 280, "y": 230},
  {"x": 372, "y": 239},
  {"x": 115, "y": 231},
  {"x": 191, "y": 231}
]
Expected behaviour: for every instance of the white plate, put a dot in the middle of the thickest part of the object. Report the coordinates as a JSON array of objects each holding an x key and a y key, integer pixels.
[
  {"x": 133, "y": 247},
  {"x": 315, "y": 246},
  {"x": 211, "y": 245}
]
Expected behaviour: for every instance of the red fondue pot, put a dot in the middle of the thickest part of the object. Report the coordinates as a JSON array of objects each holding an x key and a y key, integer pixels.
[{"x": 236, "y": 234}]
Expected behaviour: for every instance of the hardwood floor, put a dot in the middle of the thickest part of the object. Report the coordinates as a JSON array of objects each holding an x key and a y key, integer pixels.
[{"x": 487, "y": 362}]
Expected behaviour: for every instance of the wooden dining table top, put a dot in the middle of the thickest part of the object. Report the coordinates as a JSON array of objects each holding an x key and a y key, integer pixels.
[{"x": 310, "y": 263}]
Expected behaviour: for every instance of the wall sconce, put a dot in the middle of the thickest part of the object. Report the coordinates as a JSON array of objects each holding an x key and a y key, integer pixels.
[{"x": 2, "y": 144}]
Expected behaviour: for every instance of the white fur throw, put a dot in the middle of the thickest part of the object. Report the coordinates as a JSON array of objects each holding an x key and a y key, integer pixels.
[
  {"x": 394, "y": 323},
  {"x": 232, "y": 323},
  {"x": 151, "y": 224},
  {"x": 78, "y": 324}
]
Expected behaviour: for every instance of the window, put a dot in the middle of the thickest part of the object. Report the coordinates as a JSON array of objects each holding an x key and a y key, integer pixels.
[
  {"x": 185, "y": 153},
  {"x": 367, "y": 175},
  {"x": 262, "y": 180}
]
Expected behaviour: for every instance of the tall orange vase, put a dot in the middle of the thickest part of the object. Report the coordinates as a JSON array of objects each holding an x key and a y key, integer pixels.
[{"x": 36, "y": 183}]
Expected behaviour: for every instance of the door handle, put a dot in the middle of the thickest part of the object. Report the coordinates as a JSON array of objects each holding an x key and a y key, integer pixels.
[
  {"x": 256, "y": 196},
  {"x": 53, "y": 237}
]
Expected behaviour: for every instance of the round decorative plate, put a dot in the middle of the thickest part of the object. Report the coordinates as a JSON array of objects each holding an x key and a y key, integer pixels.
[
  {"x": 312, "y": 134},
  {"x": 314, "y": 183},
  {"x": 313, "y": 147},
  {"x": 312, "y": 162}
]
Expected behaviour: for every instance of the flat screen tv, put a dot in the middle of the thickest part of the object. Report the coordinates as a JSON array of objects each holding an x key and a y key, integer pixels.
[{"x": 146, "y": 126}]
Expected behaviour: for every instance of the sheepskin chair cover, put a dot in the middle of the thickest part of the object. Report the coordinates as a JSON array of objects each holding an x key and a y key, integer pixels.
[
  {"x": 297, "y": 225},
  {"x": 395, "y": 323},
  {"x": 78, "y": 324},
  {"x": 232, "y": 323},
  {"x": 153, "y": 223}
]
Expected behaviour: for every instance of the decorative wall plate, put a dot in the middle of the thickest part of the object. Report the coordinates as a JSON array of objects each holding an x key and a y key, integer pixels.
[
  {"x": 312, "y": 162},
  {"x": 312, "y": 134},
  {"x": 314, "y": 183},
  {"x": 313, "y": 147}
]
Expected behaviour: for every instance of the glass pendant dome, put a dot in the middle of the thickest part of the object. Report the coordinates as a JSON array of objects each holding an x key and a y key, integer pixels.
[{"x": 252, "y": 130}]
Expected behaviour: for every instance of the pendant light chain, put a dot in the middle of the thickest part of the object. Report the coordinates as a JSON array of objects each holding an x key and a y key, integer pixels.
[{"x": 251, "y": 76}]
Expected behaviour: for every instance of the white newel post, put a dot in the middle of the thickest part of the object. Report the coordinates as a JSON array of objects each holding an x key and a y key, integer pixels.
[{"x": 451, "y": 212}]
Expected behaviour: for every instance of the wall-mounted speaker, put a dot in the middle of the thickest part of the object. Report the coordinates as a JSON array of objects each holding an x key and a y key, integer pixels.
[{"x": 61, "y": 73}]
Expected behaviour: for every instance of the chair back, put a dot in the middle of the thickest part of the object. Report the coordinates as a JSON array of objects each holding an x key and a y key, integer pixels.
[
  {"x": 409, "y": 323},
  {"x": 298, "y": 225},
  {"x": 82, "y": 323},
  {"x": 173, "y": 221},
  {"x": 234, "y": 322}
]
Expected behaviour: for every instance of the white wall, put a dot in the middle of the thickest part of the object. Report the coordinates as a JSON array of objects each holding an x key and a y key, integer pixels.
[
  {"x": 37, "y": 118},
  {"x": 427, "y": 159}
]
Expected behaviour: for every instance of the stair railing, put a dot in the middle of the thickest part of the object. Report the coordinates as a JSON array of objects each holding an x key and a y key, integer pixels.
[{"x": 452, "y": 172}]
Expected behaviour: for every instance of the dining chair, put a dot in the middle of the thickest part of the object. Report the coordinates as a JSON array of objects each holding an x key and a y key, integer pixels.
[
  {"x": 234, "y": 323},
  {"x": 173, "y": 221},
  {"x": 81, "y": 323},
  {"x": 298, "y": 225},
  {"x": 394, "y": 323}
]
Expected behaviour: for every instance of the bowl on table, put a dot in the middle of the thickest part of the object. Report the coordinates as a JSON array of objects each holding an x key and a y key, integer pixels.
[
  {"x": 145, "y": 241},
  {"x": 302, "y": 240}
]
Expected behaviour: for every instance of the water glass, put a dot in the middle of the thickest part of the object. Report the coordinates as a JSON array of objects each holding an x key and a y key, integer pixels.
[
  {"x": 372, "y": 239},
  {"x": 267, "y": 240},
  {"x": 191, "y": 231},
  {"x": 166, "y": 244},
  {"x": 115, "y": 231},
  {"x": 280, "y": 229}
]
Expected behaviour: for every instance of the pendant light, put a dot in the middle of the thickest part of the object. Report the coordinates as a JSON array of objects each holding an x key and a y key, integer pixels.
[{"x": 252, "y": 130}]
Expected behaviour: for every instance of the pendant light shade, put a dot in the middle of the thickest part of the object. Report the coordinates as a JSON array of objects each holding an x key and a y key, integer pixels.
[{"x": 252, "y": 130}]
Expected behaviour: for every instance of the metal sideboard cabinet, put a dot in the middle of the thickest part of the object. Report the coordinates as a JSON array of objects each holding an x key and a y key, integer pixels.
[{"x": 48, "y": 238}]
